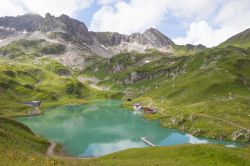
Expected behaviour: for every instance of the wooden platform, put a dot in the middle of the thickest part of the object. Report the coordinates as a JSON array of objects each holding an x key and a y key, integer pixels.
[{"x": 147, "y": 141}]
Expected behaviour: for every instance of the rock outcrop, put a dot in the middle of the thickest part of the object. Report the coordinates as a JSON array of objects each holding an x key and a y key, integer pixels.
[
  {"x": 12, "y": 26},
  {"x": 72, "y": 29},
  {"x": 69, "y": 31},
  {"x": 27, "y": 22},
  {"x": 151, "y": 38},
  {"x": 64, "y": 28}
]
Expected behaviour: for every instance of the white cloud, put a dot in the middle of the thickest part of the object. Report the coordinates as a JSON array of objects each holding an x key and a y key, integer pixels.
[
  {"x": 106, "y": 2},
  {"x": 137, "y": 15},
  {"x": 234, "y": 13},
  {"x": 201, "y": 33},
  {"x": 10, "y": 8},
  {"x": 232, "y": 18},
  {"x": 55, "y": 7},
  {"x": 195, "y": 9},
  {"x": 128, "y": 17},
  {"x": 100, "y": 149}
]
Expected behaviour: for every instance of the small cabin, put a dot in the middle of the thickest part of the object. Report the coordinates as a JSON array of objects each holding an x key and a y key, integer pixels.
[
  {"x": 149, "y": 110},
  {"x": 33, "y": 103},
  {"x": 137, "y": 106}
]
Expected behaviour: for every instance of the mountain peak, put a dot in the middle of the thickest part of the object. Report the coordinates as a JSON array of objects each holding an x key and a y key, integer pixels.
[
  {"x": 151, "y": 29},
  {"x": 157, "y": 37}
]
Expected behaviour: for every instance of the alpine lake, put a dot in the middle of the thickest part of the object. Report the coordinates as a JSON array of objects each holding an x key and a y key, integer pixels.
[{"x": 103, "y": 127}]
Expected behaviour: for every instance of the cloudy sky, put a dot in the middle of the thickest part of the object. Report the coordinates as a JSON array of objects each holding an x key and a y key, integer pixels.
[{"x": 207, "y": 22}]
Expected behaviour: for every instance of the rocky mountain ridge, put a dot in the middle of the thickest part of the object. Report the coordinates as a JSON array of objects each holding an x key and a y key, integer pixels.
[
  {"x": 101, "y": 43},
  {"x": 80, "y": 43}
]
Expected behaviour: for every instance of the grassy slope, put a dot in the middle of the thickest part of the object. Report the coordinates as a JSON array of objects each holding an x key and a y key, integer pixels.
[
  {"x": 181, "y": 155},
  {"x": 208, "y": 91},
  {"x": 214, "y": 85},
  {"x": 240, "y": 40},
  {"x": 25, "y": 74},
  {"x": 120, "y": 67},
  {"x": 23, "y": 80},
  {"x": 19, "y": 146},
  {"x": 183, "y": 50}
]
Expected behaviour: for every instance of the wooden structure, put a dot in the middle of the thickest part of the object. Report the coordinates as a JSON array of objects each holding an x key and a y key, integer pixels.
[
  {"x": 149, "y": 110},
  {"x": 147, "y": 141},
  {"x": 137, "y": 106},
  {"x": 35, "y": 105}
]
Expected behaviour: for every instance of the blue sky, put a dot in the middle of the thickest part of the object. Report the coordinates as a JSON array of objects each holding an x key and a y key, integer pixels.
[{"x": 207, "y": 22}]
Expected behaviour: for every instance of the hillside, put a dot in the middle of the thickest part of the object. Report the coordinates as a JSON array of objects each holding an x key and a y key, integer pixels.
[
  {"x": 196, "y": 94},
  {"x": 239, "y": 40},
  {"x": 197, "y": 90},
  {"x": 27, "y": 73}
]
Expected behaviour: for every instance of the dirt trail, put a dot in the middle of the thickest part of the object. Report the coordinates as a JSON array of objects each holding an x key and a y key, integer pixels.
[
  {"x": 226, "y": 121},
  {"x": 50, "y": 151},
  {"x": 93, "y": 82}
]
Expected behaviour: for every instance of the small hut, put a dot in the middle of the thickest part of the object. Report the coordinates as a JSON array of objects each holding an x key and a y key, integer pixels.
[
  {"x": 150, "y": 110},
  {"x": 34, "y": 105},
  {"x": 137, "y": 106}
]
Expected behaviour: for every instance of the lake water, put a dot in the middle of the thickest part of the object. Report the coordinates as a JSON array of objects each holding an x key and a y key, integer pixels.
[{"x": 103, "y": 127}]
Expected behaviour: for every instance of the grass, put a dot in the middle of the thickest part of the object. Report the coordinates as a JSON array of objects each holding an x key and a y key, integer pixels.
[
  {"x": 193, "y": 93},
  {"x": 28, "y": 77},
  {"x": 212, "y": 86},
  {"x": 34, "y": 48},
  {"x": 241, "y": 40},
  {"x": 188, "y": 49}
]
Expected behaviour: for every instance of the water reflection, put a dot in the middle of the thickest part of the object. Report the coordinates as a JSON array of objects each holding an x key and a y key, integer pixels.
[
  {"x": 103, "y": 127},
  {"x": 100, "y": 149}
]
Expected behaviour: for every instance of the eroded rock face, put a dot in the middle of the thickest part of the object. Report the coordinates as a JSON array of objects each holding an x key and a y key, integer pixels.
[
  {"x": 143, "y": 75},
  {"x": 27, "y": 22},
  {"x": 241, "y": 135},
  {"x": 151, "y": 38},
  {"x": 109, "y": 39},
  {"x": 68, "y": 31},
  {"x": 74, "y": 29},
  {"x": 13, "y": 26}
]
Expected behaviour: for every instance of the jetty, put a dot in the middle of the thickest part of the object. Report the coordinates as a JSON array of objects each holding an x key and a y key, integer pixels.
[{"x": 144, "y": 139}]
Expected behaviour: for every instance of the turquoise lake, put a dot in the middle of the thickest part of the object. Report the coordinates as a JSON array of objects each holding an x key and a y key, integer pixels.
[{"x": 103, "y": 127}]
